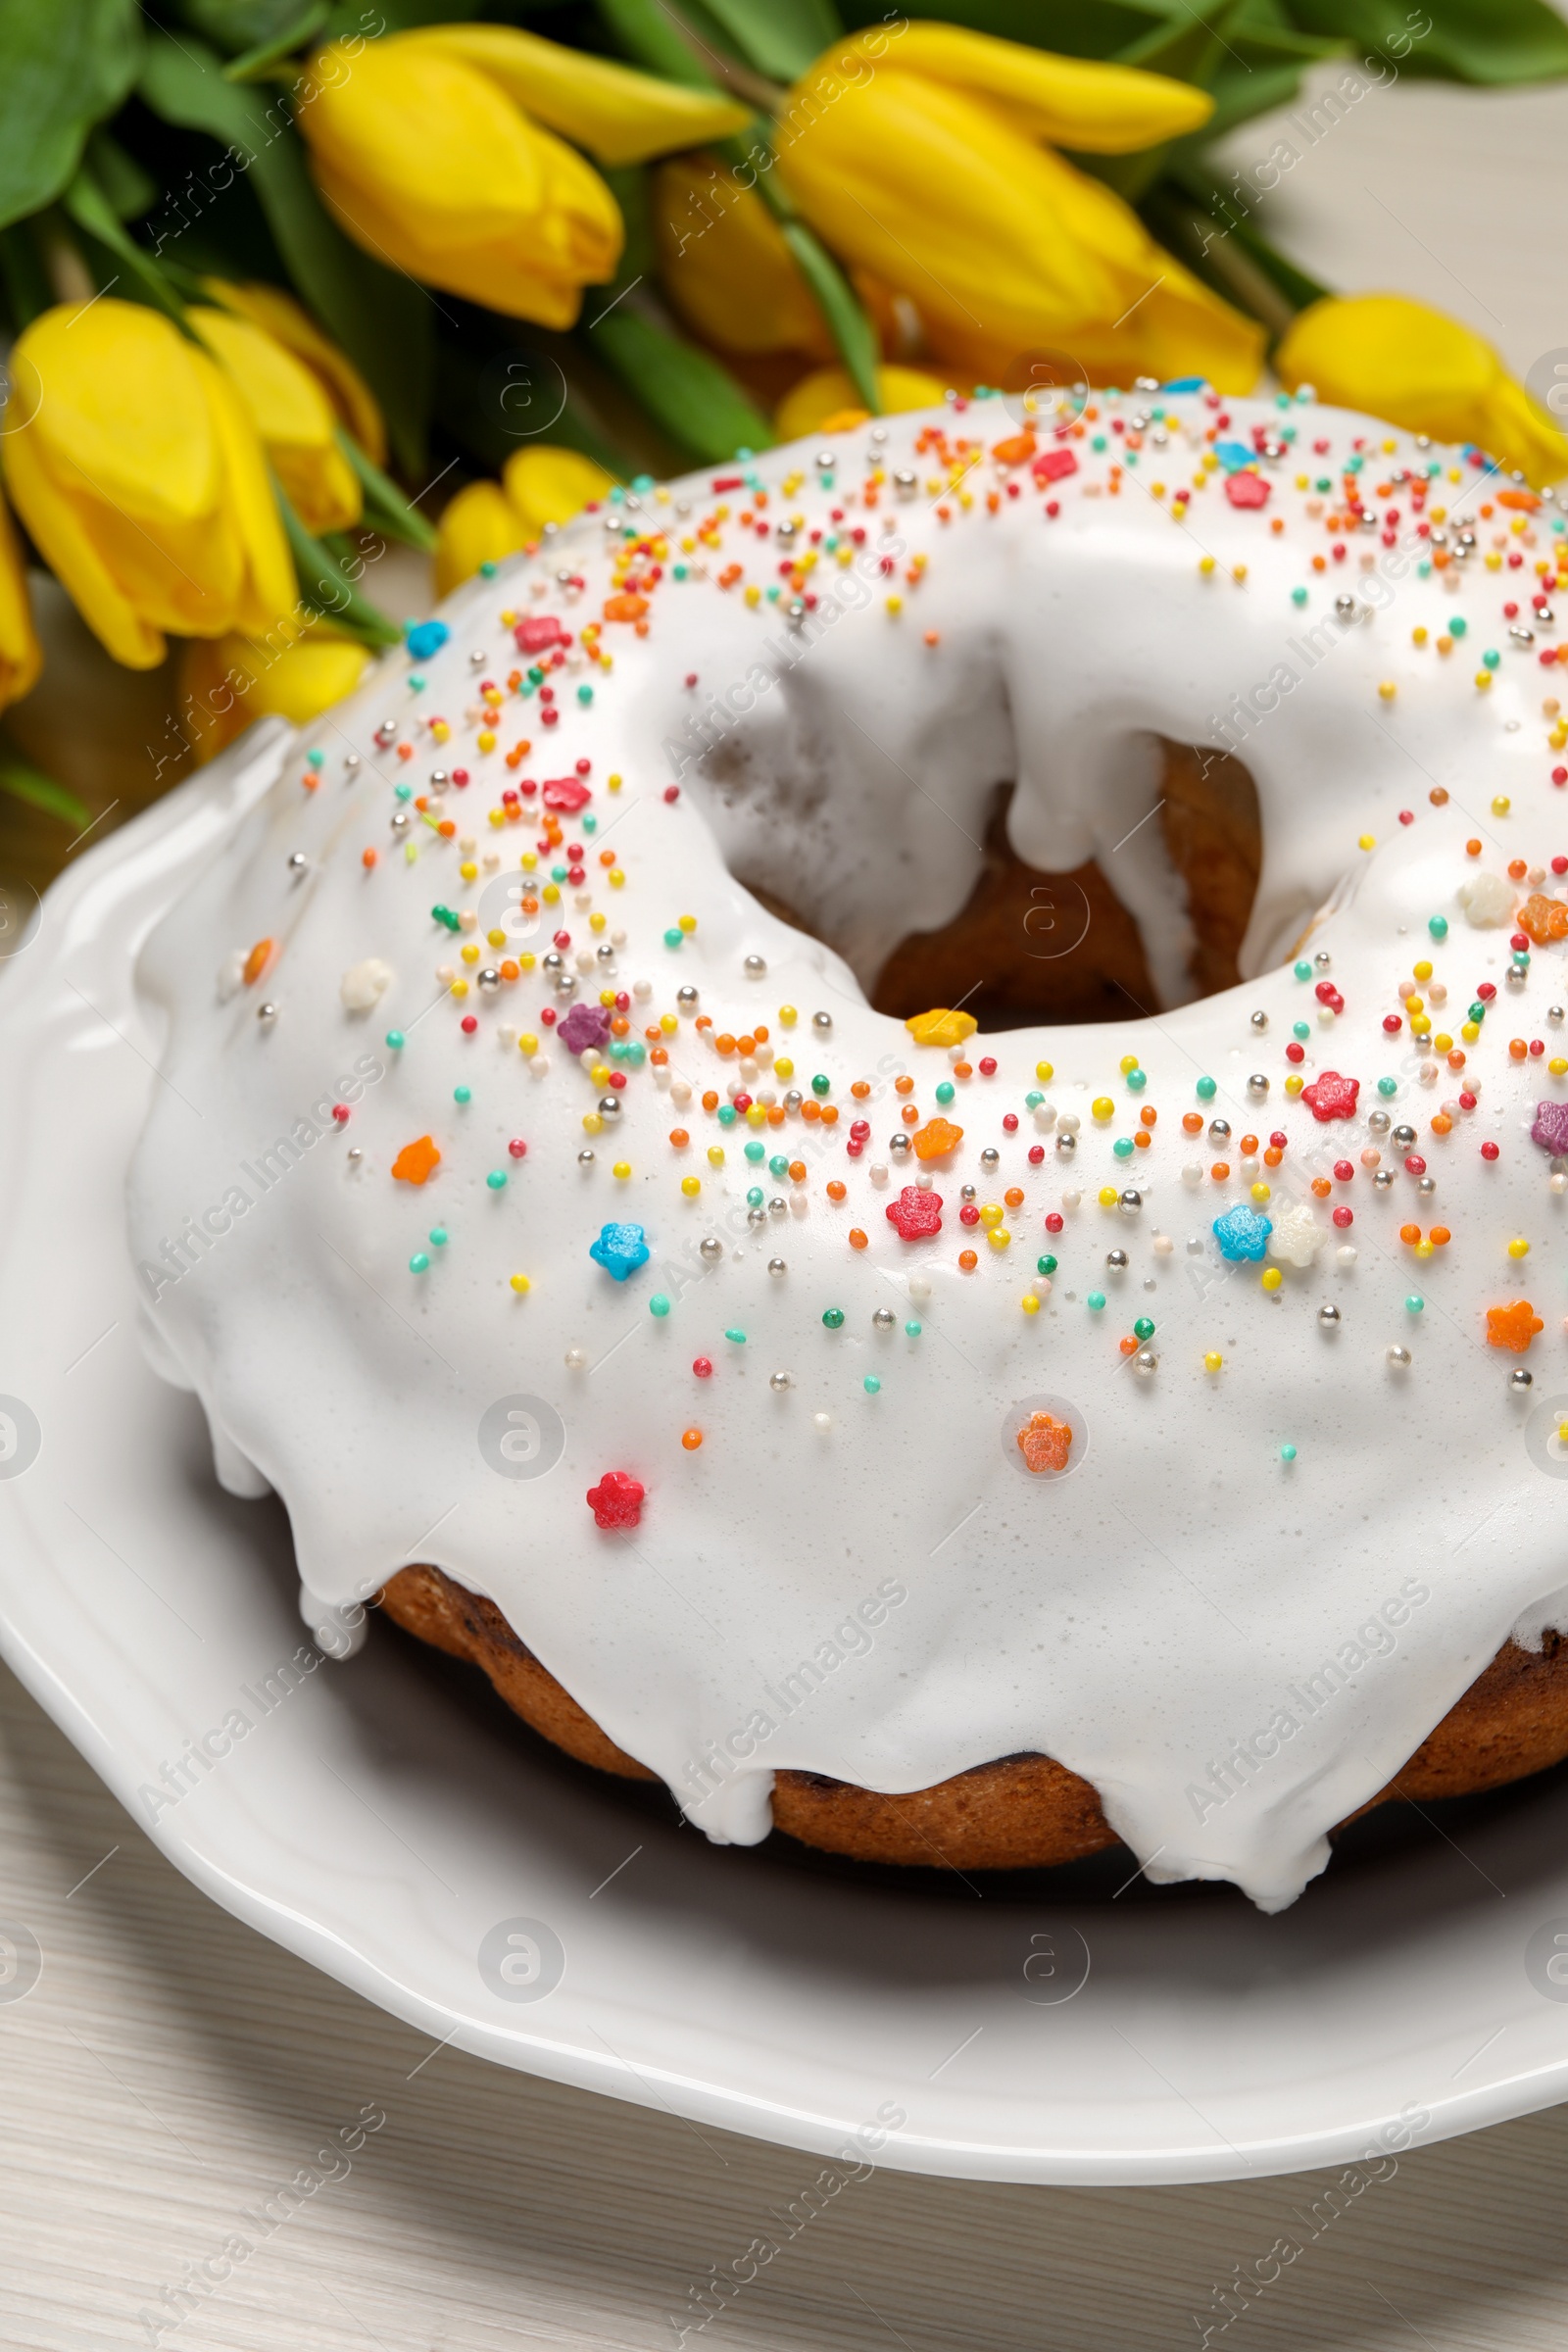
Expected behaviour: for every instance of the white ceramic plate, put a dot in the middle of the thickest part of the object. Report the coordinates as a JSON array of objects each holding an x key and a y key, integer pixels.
[{"x": 384, "y": 1822}]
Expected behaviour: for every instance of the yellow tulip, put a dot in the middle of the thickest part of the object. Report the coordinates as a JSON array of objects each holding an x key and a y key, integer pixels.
[
  {"x": 300, "y": 670},
  {"x": 131, "y": 461},
  {"x": 1424, "y": 371},
  {"x": 353, "y": 401},
  {"x": 479, "y": 525},
  {"x": 826, "y": 400},
  {"x": 551, "y": 485},
  {"x": 20, "y": 656},
  {"x": 940, "y": 189},
  {"x": 292, "y": 415},
  {"x": 431, "y": 149},
  {"x": 724, "y": 265}
]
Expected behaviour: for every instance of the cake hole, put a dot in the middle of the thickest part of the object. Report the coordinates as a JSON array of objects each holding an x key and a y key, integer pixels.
[{"x": 1031, "y": 948}]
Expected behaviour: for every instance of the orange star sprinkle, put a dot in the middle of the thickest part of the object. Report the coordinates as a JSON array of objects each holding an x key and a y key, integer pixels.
[
  {"x": 1512, "y": 1326},
  {"x": 1543, "y": 919},
  {"x": 1045, "y": 1443},
  {"x": 415, "y": 1160},
  {"x": 936, "y": 1137}
]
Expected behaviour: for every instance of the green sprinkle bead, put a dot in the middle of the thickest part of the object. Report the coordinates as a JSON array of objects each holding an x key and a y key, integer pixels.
[
  {"x": 1304, "y": 971},
  {"x": 1301, "y": 1030},
  {"x": 419, "y": 1263},
  {"x": 727, "y": 1114},
  {"x": 673, "y": 936},
  {"x": 658, "y": 1305},
  {"x": 1046, "y": 1265},
  {"x": 821, "y": 1084},
  {"x": 1136, "y": 1080},
  {"x": 756, "y": 1151},
  {"x": 755, "y": 1197},
  {"x": 1414, "y": 1303},
  {"x": 912, "y": 1330},
  {"x": 1388, "y": 1085},
  {"x": 1437, "y": 925},
  {"x": 463, "y": 1094},
  {"x": 1123, "y": 1146},
  {"x": 737, "y": 1338},
  {"x": 1298, "y": 596},
  {"x": 946, "y": 1091},
  {"x": 1207, "y": 1089},
  {"x": 1143, "y": 1329},
  {"x": 1287, "y": 1453},
  {"x": 871, "y": 1385},
  {"x": 833, "y": 1317},
  {"x": 1095, "y": 1301},
  {"x": 496, "y": 1178},
  {"x": 315, "y": 759},
  {"x": 394, "y": 1038},
  {"x": 1489, "y": 659},
  {"x": 585, "y": 693},
  {"x": 1459, "y": 625},
  {"x": 438, "y": 1235}
]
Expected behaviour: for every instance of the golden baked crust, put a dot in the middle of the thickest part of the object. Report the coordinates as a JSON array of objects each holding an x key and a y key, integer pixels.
[{"x": 1020, "y": 1812}]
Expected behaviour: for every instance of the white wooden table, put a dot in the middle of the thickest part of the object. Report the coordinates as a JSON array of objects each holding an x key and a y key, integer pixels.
[{"x": 170, "y": 2071}]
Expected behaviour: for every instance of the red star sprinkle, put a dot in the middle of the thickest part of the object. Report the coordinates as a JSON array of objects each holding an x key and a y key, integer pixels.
[
  {"x": 1331, "y": 1096},
  {"x": 618, "y": 1499},
  {"x": 914, "y": 1213},
  {"x": 1247, "y": 490}
]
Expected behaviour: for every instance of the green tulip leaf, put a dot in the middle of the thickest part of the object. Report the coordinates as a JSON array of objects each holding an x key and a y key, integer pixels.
[
  {"x": 684, "y": 390},
  {"x": 25, "y": 782},
  {"x": 324, "y": 583},
  {"x": 90, "y": 209},
  {"x": 645, "y": 32},
  {"x": 64, "y": 69},
  {"x": 386, "y": 509},
  {"x": 130, "y": 191},
  {"x": 1487, "y": 41},
  {"x": 780, "y": 38},
  {"x": 381, "y": 318},
  {"x": 254, "y": 64}
]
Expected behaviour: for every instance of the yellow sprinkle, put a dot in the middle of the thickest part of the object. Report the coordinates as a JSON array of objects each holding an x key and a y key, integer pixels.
[
  {"x": 1128, "y": 1061},
  {"x": 617, "y": 877},
  {"x": 668, "y": 1023},
  {"x": 1424, "y": 1248},
  {"x": 1470, "y": 1031},
  {"x": 1030, "y": 1303},
  {"x": 1108, "y": 1196},
  {"x": 894, "y": 604},
  {"x": 528, "y": 1043},
  {"x": 468, "y": 951},
  {"x": 1205, "y": 564},
  {"x": 597, "y": 922},
  {"x": 521, "y": 1284},
  {"x": 551, "y": 894},
  {"x": 526, "y": 961},
  {"x": 1562, "y": 1433},
  {"x": 998, "y": 1237},
  {"x": 622, "y": 1168},
  {"x": 460, "y": 987},
  {"x": 600, "y": 1073},
  {"x": 715, "y": 1155},
  {"x": 687, "y": 922},
  {"x": 1518, "y": 1249},
  {"x": 592, "y": 1123},
  {"x": 1212, "y": 1360},
  {"x": 691, "y": 1186},
  {"x": 1386, "y": 689},
  {"x": 1102, "y": 1106},
  {"x": 1483, "y": 678},
  {"x": 528, "y": 860},
  {"x": 1237, "y": 573},
  {"x": 788, "y": 1016},
  {"x": 1500, "y": 804},
  {"x": 497, "y": 939},
  {"x": 1045, "y": 1071},
  {"x": 613, "y": 781},
  {"x": 991, "y": 1214},
  {"x": 1419, "y": 636},
  {"x": 1423, "y": 969},
  {"x": 487, "y": 741},
  {"x": 1442, "y": 1042},
  {"x": 1420, "y": 1024},
  {"x": 1271, "y": 1278},
  {"x": 1558, "y": 1066},
  {"x": 784, "y": 1067},
  {"x": 1262, "y": 1192},
  {"x": 1294, "y": 1085},
  {"x": 468, "y": 869},
  {"x": 498, "y": 817},
  {"x": 1367, "y": 841}
]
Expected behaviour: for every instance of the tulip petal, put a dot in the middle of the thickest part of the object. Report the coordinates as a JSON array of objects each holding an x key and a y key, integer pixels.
[
  {"x": 63, "y": 538},
  {"x": 267, "y": 590},
  {"x": 1072, "y": 101},
  {"x": 1418, "y": 367},
  {"x": 230, "y": 682},
  {"x": 546, "y": 484},
  {"x": 289, "y": 323},
  {"x": 292, "y": 415},
  {"x": 827, "y": 393},
  {"x": 620, "y": 116},
  {"x": 725, "y": 265},
  {"x": 117, "y": 407},
  {"x": 21, "y": 656},
  {"x": 479, "y": 525}
]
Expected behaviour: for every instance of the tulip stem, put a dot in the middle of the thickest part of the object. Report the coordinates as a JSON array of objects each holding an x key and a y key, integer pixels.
[
  {"x": 835, "y": 298},
  {"x": 29, "y": 783},
  {"x": 326, "y": 588},
  {"x": 386, "y": 507}
]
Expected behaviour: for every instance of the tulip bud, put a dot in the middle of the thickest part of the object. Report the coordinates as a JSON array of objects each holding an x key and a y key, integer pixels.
[
  {"x": 292, "y": 415},
  {"x": 20, "y": 656}
]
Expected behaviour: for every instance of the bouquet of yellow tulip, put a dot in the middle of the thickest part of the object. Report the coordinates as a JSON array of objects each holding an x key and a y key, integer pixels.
[{"x": 275, "y": 275}]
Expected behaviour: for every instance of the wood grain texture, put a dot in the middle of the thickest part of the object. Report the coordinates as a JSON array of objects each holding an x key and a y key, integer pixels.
[{"x": 171, "y": 2067}]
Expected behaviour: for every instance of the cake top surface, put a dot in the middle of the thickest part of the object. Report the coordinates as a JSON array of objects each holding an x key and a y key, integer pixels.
[{"x": 1174, "y": 1396}]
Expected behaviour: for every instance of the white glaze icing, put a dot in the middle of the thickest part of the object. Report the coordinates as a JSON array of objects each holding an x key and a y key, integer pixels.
[{"x": 1181, "y": 1589}]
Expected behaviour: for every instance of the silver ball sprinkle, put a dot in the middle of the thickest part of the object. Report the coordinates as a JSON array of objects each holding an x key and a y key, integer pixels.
[
  {"x": 685, "y": 998},
  {"x": 756, "y": 1217},
  {"x": 1521, "y": 1380},
  {"x": 821, "y": 1022},
  {"x": 900, "y": 1146},
  {"x": 1378, "y": 1122},
  {"x": 710, "y": 1250},
  {"x": 1554, "y": 1016},
  {"x": 1425, "y": 1186},
  {"x": 552, "y": 960},
  {"x": 793, "y": 1099},
  {"x": 779, "y": 1381},
  {"x": 989, "y": 1157},
  {"x": 477, "y": 660},
  {"x": 1145, "y": 1362},
  {"x": 1261, "y": 1020},
  {"x": 778, "y": 1206},
  {"x": 438, "y": 779},
  {"x": 966, "y": 1192},
  {"x": 1328, "y": 1316},
  {"x": 1116, "y": 1260},
  {"x": 1382, "y": 1178},
  {"x": 756, "y": 967},
  {"x": 1131, "y": 1202},
  {"x": 1404, "y": 1137},
  {"x": 355, "y": 1155},
  {"x": 1066, "y": 1145},
  {"x": 777, "y": 1267},
  {"x": 585, "y": 1158},
  {"x": 1257, "y": 1083},
  {"x": 489, "y": 978},
  {"x": 351, "y": 760},
  {"x": 1322, "y": 960},
  {"x": 298, "y": 861},
  {"x": 266, "y": 1013},
  {"x": 884, "y": 1318},
  {"x": 609, "y": 1106},
  {"x": 1399, "y": 1357},
  {"x": 606, "y": 953},
  {"x": 566, "y": 984},
  {"x": 1219, "y": 1131},
  {"x": 400, "y": 820}
]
